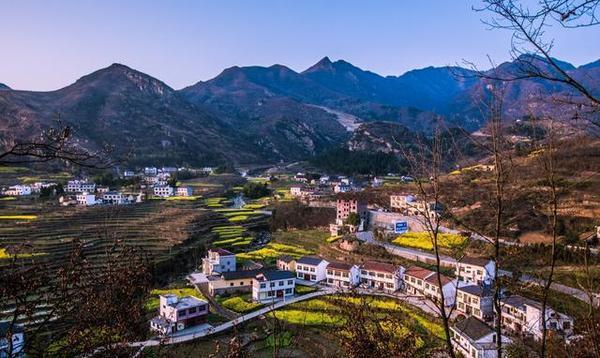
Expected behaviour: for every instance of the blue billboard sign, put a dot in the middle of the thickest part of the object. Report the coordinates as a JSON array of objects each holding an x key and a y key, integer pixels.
[{"x": 401, "y": 227}]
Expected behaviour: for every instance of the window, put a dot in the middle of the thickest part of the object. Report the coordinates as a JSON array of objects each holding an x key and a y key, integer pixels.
[
  {"x": 290, "y": 282},
  {"x": 281, "y": 283},
  {"x": 363, "y": 272},
  {"x": 329, "y": 280},
  {"x": 288, "y": 291},
  {"x": 380, "y": 275},
  {"x": 329, "y": 272},
  {"x": 192, "y": 310},
  {"x": 263, "y": 285},
  {"x": 272, "y": 284},
  {"x": 388, "y": 276},
  {"x": 181, "y": 313},
  {"x": 270, "y": 293},
  {"x": 231, "y": 284},
  {"x": 312, "y": 269}
]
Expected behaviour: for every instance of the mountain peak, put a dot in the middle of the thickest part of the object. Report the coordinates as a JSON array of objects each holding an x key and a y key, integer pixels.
[
  {"x": 323, "y": 64},
  {"x": 119, "y": 75}
]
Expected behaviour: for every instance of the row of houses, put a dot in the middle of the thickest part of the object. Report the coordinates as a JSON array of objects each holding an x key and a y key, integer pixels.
[
  {"x": 103, "y": 198},
  {"x": 25, "y": 190}
]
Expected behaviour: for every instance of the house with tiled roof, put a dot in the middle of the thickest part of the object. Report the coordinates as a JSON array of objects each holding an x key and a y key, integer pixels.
[
  {"x": 286, "y": 263},
  {"x": 311, "y": 268},
  {"x": 476, "y": 300},
  {"x": 423, "y": 282},
  {"x": 343, "y": 275},
  {"x": 524, "y": 316},
  {"x": 218, "y": 260},
  {"x": 178, "y": 313},
  {"x": 476, "y": 270},
  {"x": 383, "y": 276},
  {"x": 231, "y": 282},
  {"x": 273, "y": 285},
  {"x": 12, "y": 339},
  {"x": 473, "y": 338}
]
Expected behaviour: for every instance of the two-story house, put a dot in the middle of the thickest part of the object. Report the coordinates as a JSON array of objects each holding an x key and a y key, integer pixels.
[
  {"x": 382, "y": 276},
  {"x": 163, "y": 190},
  {"x": 477, "y": 301},
  {"x": 474, "y": 270},
  {"x": 273, "y": 285},
  {"x": 113, "y": 197},
  {"x": 423, "y": 282},
  {"x": 311, "y": 268},
  {"x": 524, "y": 316},
  {"x": 12, "y": 340},
  {"x": 178, "y": 313},
  {"x": 231, "y": 282},
  {"x": 343, "y": 275},
  {"x": 475, "y": 339},
  {"x": 218, "y": 260}
]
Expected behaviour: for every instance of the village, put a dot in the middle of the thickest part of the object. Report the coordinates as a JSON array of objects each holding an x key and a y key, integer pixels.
[
  {"x": 465, "y": 288},
  {"x": 468, "y": 294}
]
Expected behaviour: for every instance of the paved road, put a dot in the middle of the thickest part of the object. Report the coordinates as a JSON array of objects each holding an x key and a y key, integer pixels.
[
  {"x": 447, "y": 261},
  {"x": 411, "y": 254},
  {"x": 207, "y": 330},
  {"x": 203, "y": 330}
]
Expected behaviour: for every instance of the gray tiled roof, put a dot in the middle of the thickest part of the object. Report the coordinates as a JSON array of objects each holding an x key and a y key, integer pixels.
[{"x": 473, "y": 328}]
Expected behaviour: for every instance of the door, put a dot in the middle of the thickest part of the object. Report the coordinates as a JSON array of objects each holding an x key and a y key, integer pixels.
[{"x": 279, "y": 293}]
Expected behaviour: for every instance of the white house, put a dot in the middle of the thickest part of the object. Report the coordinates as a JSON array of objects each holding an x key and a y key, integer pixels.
[
  {"x": 524, "y": 316},
  {"x": 102, "y": 189},
  {"x": 128, "y": 174},
  {"x": 274, "y": 285},
  {"x": 150, "y": 171},
  {"x": 476, "y": 300},
  {"x": 78, "y": 186},
  {"x": 401, "y": 201},
  {"x": 113, "y": 197},
  {"x": 340, "y": 274},
  {"x": 218, "y": 260},
  {"x": 296, "y": 190},
  {"x": 475, "y": 270},
  {"x": 473, "y": 338},
  {"x": 16, "y": 340},
  {"x": 311, "y": 268},
  {"x": 342, "y": 188},
  {"x": 185, "y": 191},
  {"x": 86, "y": 199},
  {"x": 18, "y": 190},
  {"x": 423, "y": 282},
  {"x": 382, "y": 276},
  {"x": 163, "y": 190},
  {"x": 176, "y": 314}
]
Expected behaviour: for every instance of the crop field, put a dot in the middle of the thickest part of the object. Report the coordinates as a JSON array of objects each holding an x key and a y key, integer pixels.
[
  {"x": 239, "y": 304},
  {"x": 190, "y": 198},
  {"x": 272, "y": 251},
  {"x": 326, "y": 312},
  {"x": 422, "y": 240},
  {"x": 154, "y": 226},
  {"x": 18, "y": 217}
]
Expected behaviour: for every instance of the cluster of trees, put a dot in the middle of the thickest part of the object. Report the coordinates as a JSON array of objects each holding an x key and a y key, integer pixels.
[
  {"x": 345, "y": 161},
  {"x": 254, "y": 190},
  {"x": 295, "y": 215}
]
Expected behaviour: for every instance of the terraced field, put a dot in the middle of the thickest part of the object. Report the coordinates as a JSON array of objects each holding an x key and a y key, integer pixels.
[{"x": 156, "y": 227}]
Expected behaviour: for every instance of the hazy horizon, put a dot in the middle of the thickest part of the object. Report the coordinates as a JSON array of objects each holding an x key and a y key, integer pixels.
[{"x": 51, "y": 45}]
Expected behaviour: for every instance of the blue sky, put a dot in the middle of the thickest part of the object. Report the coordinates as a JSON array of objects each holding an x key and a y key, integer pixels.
[{"x": 48, "y": 44}]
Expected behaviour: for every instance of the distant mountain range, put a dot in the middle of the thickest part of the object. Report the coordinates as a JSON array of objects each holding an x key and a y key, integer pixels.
[{"x": 268, "y": 114}]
